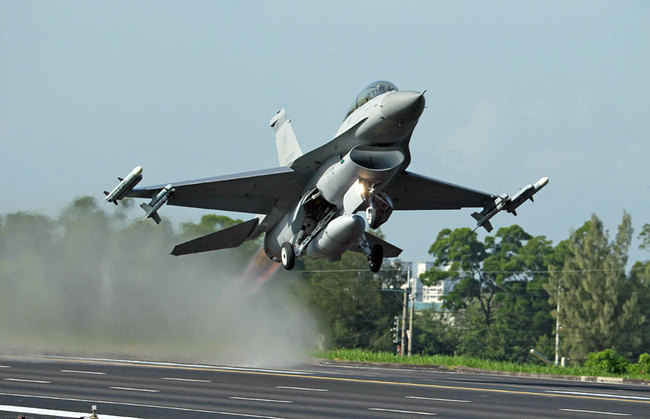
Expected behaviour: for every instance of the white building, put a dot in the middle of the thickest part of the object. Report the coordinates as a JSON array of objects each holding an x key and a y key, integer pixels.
[{"x": 426, "y": 296}]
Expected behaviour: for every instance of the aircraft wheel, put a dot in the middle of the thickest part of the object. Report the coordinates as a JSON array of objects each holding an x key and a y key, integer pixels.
[
  {"x": 287, "y": 256},
  {"x": 371, "y": 217},
  {"x": 376, "y": 258}
]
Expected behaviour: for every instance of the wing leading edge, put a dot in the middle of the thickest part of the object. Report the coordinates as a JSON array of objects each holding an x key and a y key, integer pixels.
[{"x": 252, "y": 192}]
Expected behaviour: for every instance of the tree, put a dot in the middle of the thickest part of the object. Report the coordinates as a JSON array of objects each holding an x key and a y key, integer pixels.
[
  {"x": 644, "y": 236},
  {"x": 485, "y": 269},
  {"x": 458, "y": 255},
  {"x": 434, "y": 333},
  {"x": 499, "y": 304},
  {"x": 600, "y": 306},
  {"x": 640, "y": 281},
  {"x": 350, "y": 302}
]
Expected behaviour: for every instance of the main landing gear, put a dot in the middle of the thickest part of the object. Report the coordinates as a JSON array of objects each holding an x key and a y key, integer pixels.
[
  {"x": 376, "y": 257},
  {"x": 287, "y": 256}
]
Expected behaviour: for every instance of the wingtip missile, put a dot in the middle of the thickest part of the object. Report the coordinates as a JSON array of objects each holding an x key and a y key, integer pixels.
[
  {"x": 507, "y": 203},
  {"x": 125, "y": 186},
  {"x": 525, "y": 194}
]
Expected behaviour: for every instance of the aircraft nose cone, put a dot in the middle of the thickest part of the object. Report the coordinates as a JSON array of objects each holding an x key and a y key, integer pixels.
[{"x": 403, "y": 106}]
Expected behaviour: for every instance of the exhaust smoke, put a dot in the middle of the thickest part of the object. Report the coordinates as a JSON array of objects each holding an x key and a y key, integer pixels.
[{"x": 91, "y": 284}]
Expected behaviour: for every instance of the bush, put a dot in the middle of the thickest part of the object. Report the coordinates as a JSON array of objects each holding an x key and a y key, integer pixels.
[
  {"x": 641, "y": 367},
  {"x": 607, "y": 361}
]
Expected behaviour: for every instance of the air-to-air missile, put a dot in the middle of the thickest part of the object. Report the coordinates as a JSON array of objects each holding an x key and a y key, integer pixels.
[
  {"x": 158, "y": 201},
  {"x": 125, "y": 185},
  {"x": 508, "y": 204}
]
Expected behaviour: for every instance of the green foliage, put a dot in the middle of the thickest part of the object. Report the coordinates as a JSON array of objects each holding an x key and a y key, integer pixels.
[
  {"x": 454, "y": 362},
  {"x": 607, "y": 361},
  {"x": 434, "y": 333},
  {"x": 600, "y": 304},
  {"x": 642, "y": 367},
  {"x": 350, "y": 301},
  {"x": 644, "y": 236},
  {"x": 499, "y": 304}
]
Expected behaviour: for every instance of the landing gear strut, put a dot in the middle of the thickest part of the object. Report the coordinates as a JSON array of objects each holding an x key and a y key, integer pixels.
[
  {"x": 287, "y": 256},
  {"x": 376, "y": 258}
]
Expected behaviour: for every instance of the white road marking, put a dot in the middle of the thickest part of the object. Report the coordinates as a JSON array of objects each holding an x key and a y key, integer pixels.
[
  {"x": 615, "y": 396},
  {"x": 301, "y": 388},
  {"x": 596, "y": 412},
  {"x": 438, "y": 400},
  {"x": 84, "y": 372},
  {"x": 172, "y": 364},
  {"x": 21, "y": 380},
  {"x": 190, "y": 380},
  {"x": 5, "y": 366},
  {"x": 144, "y": 390},
  {"x": 408, "y": 412},
  {"x": 57, "y": 413},
  {"x": 252, "y": 399},
  {"x": 147, "y": 406}
]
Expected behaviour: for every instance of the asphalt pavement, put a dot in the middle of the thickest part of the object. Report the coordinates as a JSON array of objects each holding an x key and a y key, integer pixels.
[{"x": 55, "y": 387}]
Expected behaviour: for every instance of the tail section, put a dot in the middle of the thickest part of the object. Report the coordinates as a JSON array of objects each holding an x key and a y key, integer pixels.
[
  {"x": 222, "y": 239},
  {"x": 288, "y": 147}
]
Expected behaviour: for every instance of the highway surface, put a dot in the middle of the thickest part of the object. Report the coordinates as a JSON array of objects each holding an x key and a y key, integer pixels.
[{"x": 45, "y": 387}]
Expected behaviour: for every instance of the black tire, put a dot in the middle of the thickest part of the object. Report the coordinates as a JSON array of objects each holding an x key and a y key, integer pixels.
[
  {"x": 287, "y": 256},
  {"x": 376, "y": 258}
]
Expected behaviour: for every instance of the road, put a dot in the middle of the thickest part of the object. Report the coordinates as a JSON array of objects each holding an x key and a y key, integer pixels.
[{"x": 46, "y": 387}]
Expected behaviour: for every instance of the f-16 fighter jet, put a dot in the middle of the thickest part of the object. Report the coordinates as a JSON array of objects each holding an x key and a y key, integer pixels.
[{"x": 310, "y": 205}]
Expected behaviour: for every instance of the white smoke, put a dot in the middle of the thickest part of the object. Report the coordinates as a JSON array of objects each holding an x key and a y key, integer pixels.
[{"x": 88, "y": 285}]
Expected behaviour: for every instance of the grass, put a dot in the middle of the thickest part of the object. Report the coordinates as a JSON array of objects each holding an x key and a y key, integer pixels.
[{"x": 454, "y": 362}]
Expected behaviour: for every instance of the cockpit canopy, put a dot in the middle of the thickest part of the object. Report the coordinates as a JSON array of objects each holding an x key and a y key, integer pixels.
[{"x": 370, "y": 92}]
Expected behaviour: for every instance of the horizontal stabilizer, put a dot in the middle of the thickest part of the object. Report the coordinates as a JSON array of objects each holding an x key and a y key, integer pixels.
[
  {"x": 390, "y": 251},
  {"x": 222, "y": 239}
]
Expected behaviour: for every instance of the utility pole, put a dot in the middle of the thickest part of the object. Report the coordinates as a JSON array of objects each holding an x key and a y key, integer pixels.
[
  {"x": 557, "y": 325},
  {"x": 412, "y": 298},
  {"x": 401, "y": 348}
]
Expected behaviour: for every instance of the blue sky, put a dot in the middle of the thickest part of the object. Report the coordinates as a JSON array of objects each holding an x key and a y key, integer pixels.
[{"x": 515, "y": 91}]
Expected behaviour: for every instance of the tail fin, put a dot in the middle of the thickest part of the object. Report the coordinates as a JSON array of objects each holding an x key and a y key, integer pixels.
[
  {"x": 486, "y": 224},
  {"x": 288, "y": 147},
  {"x": 153, "y": 214}
]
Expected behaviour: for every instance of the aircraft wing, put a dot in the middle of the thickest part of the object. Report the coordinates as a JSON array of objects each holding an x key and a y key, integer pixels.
[
  {"x": 253, "y": 192},
  {"x": 410, "y": 191}
]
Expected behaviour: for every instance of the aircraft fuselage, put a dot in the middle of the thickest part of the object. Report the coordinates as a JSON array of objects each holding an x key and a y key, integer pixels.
[{"x": 378, "y": 133}]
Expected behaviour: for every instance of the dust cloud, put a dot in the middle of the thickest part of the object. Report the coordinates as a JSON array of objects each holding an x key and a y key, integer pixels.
[{"x": 94, "y": 283}]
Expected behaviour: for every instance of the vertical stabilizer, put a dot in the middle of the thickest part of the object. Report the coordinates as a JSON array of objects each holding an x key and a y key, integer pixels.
[{"x": 285, "y": 139}]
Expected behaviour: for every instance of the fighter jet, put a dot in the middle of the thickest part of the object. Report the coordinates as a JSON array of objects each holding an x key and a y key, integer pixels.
[{"x": 310, "y": 205}]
